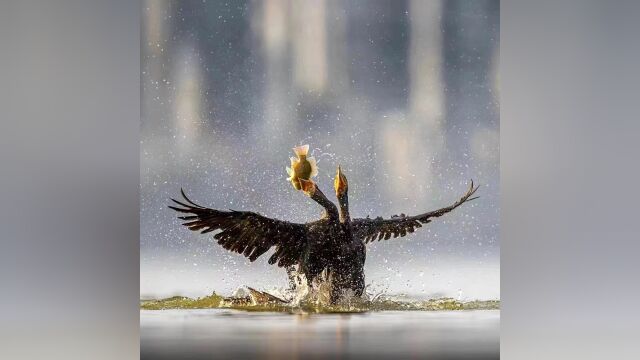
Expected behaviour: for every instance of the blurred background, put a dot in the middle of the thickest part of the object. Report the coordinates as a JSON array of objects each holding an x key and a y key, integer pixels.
[{"x": 403, "y": 94}]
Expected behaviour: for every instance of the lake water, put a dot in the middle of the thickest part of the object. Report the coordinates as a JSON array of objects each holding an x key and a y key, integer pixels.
[{"x": 232, "y": 334}]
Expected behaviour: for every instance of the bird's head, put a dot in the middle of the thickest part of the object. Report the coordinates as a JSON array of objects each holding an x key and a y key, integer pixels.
[
  {"x": 308, "y": 187},
  {"x": 340, "y": 184}
]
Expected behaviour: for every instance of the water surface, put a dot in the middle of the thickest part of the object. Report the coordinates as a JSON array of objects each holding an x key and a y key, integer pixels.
[{"x": 233, "y": 334}]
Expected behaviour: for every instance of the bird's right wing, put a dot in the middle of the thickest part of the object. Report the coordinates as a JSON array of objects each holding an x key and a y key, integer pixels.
[
  {"x": 371, "y": 229},
  {"x": 245, "y": 232}
]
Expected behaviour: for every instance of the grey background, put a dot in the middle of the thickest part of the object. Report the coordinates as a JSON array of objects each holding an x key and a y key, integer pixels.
[
  {"x": 69, "y": 139},
  {"x": 402, "y": 94},
  {"x": 569, "y": 167},
  {"x": 569, "y": 115}
]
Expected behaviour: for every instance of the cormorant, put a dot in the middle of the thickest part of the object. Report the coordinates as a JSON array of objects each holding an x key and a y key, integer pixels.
[
  {"x": 335, "y": 243},
  {"x": 311, "y": 246},
  {"x": 348, "y": 268}
]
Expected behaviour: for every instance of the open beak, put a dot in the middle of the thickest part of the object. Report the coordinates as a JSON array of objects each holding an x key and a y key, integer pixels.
[{"x": 340, "y": 182}]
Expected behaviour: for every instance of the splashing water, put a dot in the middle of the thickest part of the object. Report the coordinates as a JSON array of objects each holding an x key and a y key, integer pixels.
[
  {"x": 314, "y": 299},
  {"x": 319, "y": 154}
]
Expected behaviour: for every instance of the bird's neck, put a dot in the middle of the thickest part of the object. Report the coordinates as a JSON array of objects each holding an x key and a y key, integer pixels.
[
  {"x": 344, "y": 208},
  {"x": 330, "y": 208}
]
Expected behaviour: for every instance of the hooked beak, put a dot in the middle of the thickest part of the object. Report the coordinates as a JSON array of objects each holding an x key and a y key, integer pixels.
[
  {"x": 308, "y": 187},
  {"x": 340, "y": 182}
]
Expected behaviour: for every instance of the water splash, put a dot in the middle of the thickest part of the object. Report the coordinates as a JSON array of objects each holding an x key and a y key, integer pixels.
[
  {"x": 315, "y": 299},
  {"x": 320, "y": 154}
]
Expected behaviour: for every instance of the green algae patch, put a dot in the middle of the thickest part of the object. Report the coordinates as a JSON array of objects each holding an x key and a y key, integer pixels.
[
  {"x": 259, "y": 304},
  {"x": 442, "y": 304},
  {"x": 482, "y": 305},
  {"x": 180, "y": 302}
]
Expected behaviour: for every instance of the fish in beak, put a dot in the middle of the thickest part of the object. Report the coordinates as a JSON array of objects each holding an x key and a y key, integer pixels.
[
  {"x": 302, "y": 167},
  {"x": 340, "y": 183}
]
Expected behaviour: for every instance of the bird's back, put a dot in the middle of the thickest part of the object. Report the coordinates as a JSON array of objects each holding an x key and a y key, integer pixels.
[{"x": 320, "y": 249}]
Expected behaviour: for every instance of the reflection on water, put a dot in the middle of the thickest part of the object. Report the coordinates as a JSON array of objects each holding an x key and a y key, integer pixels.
[{"x": 231, "y": 334}]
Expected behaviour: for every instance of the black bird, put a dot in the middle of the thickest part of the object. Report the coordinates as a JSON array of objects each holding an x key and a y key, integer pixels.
[
  {"x": 348, "y": 268},
  {"x": 311, "y": 247},
  {"x": 335, "y": 242}
]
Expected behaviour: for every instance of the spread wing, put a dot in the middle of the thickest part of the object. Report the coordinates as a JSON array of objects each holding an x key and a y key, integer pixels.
[
  {"x": 371, "y": 229},
  {"x": 245, "y": 232}
]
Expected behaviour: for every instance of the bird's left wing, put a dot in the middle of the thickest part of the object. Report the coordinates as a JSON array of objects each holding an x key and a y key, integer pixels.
[
  {"x": 371, "y": 229},
  {"x": 245, "y": 232}
]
